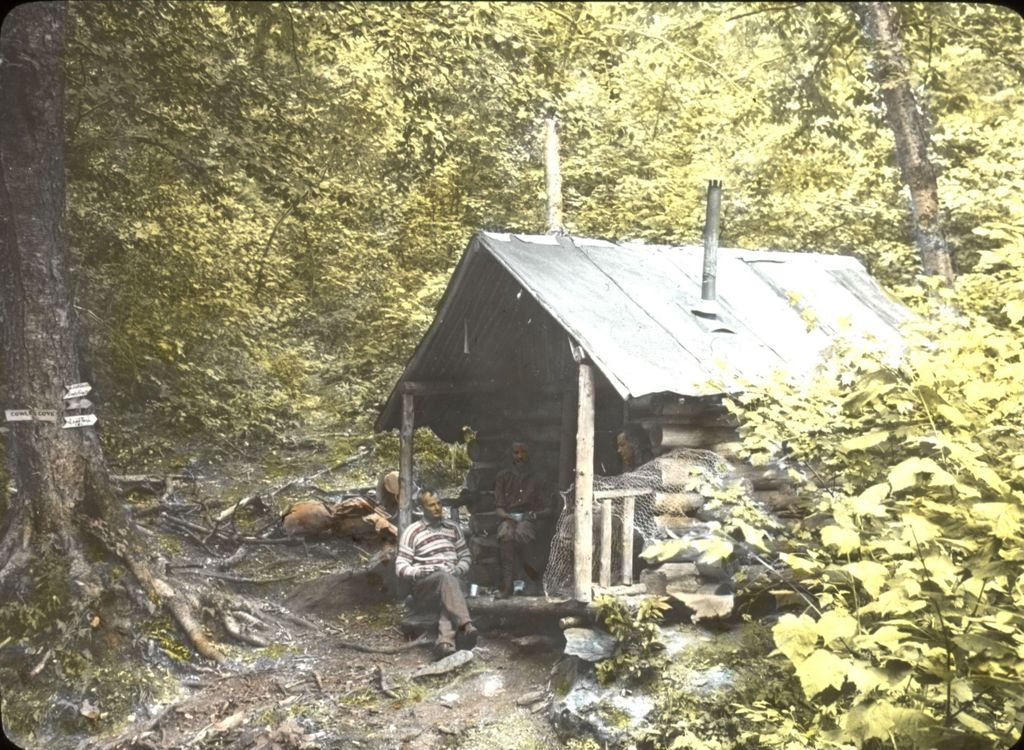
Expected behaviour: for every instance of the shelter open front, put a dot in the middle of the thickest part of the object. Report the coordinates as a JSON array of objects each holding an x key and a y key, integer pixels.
[{"x": 529, "y": 323}]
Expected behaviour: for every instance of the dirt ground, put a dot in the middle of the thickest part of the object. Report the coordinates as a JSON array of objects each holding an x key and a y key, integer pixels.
[{"x": 306, "y": 689}]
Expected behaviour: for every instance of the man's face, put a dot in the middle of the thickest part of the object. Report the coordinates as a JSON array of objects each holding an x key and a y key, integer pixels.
[
  {"x": 625, "y": 450},
  {"x": 432, "y": 508},
  {"x": 519, "y": 453}
]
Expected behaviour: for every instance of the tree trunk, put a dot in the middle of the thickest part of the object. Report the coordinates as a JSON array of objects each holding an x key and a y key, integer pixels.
[
  {"x": 892, "y": 71},
  {"x": 64, "y": 495}
]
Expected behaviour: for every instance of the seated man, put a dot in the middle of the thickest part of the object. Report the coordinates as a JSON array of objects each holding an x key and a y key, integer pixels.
[
  {"x": 432, "y": 553},
  {"x": 519, "y": 503}
]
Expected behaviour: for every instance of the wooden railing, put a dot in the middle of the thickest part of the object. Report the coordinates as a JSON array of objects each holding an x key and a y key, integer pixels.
[{"x": 609, "y": 498}]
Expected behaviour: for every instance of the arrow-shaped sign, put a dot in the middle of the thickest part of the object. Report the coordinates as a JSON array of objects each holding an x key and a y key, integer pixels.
[
  {"x": 18, "y": 415},
  {"x": 76, "y": 390},
  {"x": 44, "y": 415},
  {"x": 83, "y": 420},
  {"x": 78, "y": 403}
]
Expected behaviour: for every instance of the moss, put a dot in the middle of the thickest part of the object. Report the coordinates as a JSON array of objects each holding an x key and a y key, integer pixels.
[
  {"x": 113, "y": 686},
  {"x": 271, "y": 717},
  {"x": 518, "y": 729},
  {"x": 613, "y": 716},
  {"x": 169, "y": 543},
  {"x": 277, "y": 650},
  {"x": 358, "y": 698},
  {"x": 163, "y": 631}
]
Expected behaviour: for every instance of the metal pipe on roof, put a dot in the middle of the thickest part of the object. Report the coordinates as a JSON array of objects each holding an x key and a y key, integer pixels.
[{"x": 708, "y": 278}]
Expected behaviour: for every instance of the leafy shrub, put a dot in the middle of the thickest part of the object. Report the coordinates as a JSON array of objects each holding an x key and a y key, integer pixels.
[
  {"x": 914, "y": 463},
  {"x": 639, "y": 655}
]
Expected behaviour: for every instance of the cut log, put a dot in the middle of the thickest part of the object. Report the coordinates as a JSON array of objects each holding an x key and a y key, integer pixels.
[
  {"x": 666, "y": 437},
  {"x": 678, "y": 503},
  {"x": 760, "y": 477}
]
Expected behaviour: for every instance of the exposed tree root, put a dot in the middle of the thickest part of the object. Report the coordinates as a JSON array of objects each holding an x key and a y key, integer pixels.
[
  {"x": 236, "y": 631},
  {"x": 14, "y": 566},
  {"x": 160, "y": 590}
]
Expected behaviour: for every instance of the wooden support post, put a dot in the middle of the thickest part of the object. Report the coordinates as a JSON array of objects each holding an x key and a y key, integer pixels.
[
  {"x": 628, "y": 506},
  {"x": 553, "y": 175},
  {"x": 584, "y": 540},
  {"x": 405, "y": 464},
  {"x": 605, "y": 578},
  {"x": 567, "y": 440}
]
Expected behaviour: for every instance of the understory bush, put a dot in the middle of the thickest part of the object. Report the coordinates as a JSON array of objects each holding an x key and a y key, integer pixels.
[{"x": 911, "y": 461}]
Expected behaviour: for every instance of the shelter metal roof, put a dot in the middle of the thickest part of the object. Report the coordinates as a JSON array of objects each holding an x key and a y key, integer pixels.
[{"x": 630, "y": 306}]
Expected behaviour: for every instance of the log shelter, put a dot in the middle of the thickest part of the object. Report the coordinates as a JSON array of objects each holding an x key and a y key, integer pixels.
[{"x": 561, "y": 340}]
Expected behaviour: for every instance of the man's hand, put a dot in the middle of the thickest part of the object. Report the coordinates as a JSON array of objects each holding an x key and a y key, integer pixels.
[{"x": 421, "y": 572}]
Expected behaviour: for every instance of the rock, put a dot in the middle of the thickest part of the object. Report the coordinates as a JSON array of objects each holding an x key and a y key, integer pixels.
[
  {"x": 671, "y": 577},
  {"x": 530, "y": 698},
  {"x": 604, "y": 713},
  {"x": 492, "y": 685},
  {"x": 443, "y": 666},
  {"x": 588, "y": 644},
  {"x": 707, "y": 602}
]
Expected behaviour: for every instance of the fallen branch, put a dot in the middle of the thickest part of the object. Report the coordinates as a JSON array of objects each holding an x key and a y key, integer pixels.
[
  {"x": 233, "y": 578},
  {"x": 148, "y": 482},
  {"x": 234, "y": 558},
  {"x": 235, "y": 631},
  {"x": 159, "y": 589},
  {"x": 423, "y": 640}
]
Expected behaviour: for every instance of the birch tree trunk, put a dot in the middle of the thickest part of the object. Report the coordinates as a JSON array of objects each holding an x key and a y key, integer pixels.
[{"x": 911, "y": 134}]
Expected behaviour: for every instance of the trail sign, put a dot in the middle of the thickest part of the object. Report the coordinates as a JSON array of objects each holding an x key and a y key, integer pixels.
[
  {"x": 78, "y": 403},
  {"x": 18, "y": 415},
  {"x": 44, "y": 415},
  {"x": 82, "y": 420},
  {"x": 76, "y": 390}
]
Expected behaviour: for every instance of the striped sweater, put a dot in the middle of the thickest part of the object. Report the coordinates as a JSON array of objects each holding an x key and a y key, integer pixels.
[{"x": 424, "y": 549}]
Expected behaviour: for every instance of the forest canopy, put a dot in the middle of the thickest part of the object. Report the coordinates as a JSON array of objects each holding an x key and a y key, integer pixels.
[{"x": 266, "y": 200}]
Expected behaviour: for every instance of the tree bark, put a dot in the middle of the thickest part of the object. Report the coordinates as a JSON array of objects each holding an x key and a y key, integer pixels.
[
  {"x": 892, "y": 72},
  {"x": 64, "y": 494}
]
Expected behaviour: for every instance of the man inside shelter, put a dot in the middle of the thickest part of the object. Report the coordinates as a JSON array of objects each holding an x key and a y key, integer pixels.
[
  {"x": 520, "y": 504},
  {"x": 432, "y": 553}
]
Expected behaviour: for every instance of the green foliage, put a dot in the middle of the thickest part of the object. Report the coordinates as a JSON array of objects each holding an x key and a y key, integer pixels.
[
  {"x": 639, "y": 652},
  {"x": 918, "y": 574},
  {"x": 266, "y": 200}
]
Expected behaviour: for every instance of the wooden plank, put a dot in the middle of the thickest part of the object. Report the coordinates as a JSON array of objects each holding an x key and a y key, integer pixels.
[
  {"x": 630, "y": 493},
  {"x": 628, "y": 508},
  {"x": 584, "y": 539},
  {"x": 405, "y": 464},
  {"x": 552, "y": 175},
  {"x": 605, "y": 575},
  {"x": 567, "y": 442}
]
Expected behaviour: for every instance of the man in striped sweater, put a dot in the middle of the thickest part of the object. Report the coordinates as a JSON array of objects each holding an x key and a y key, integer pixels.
[{"x": 433, "y": 554}]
